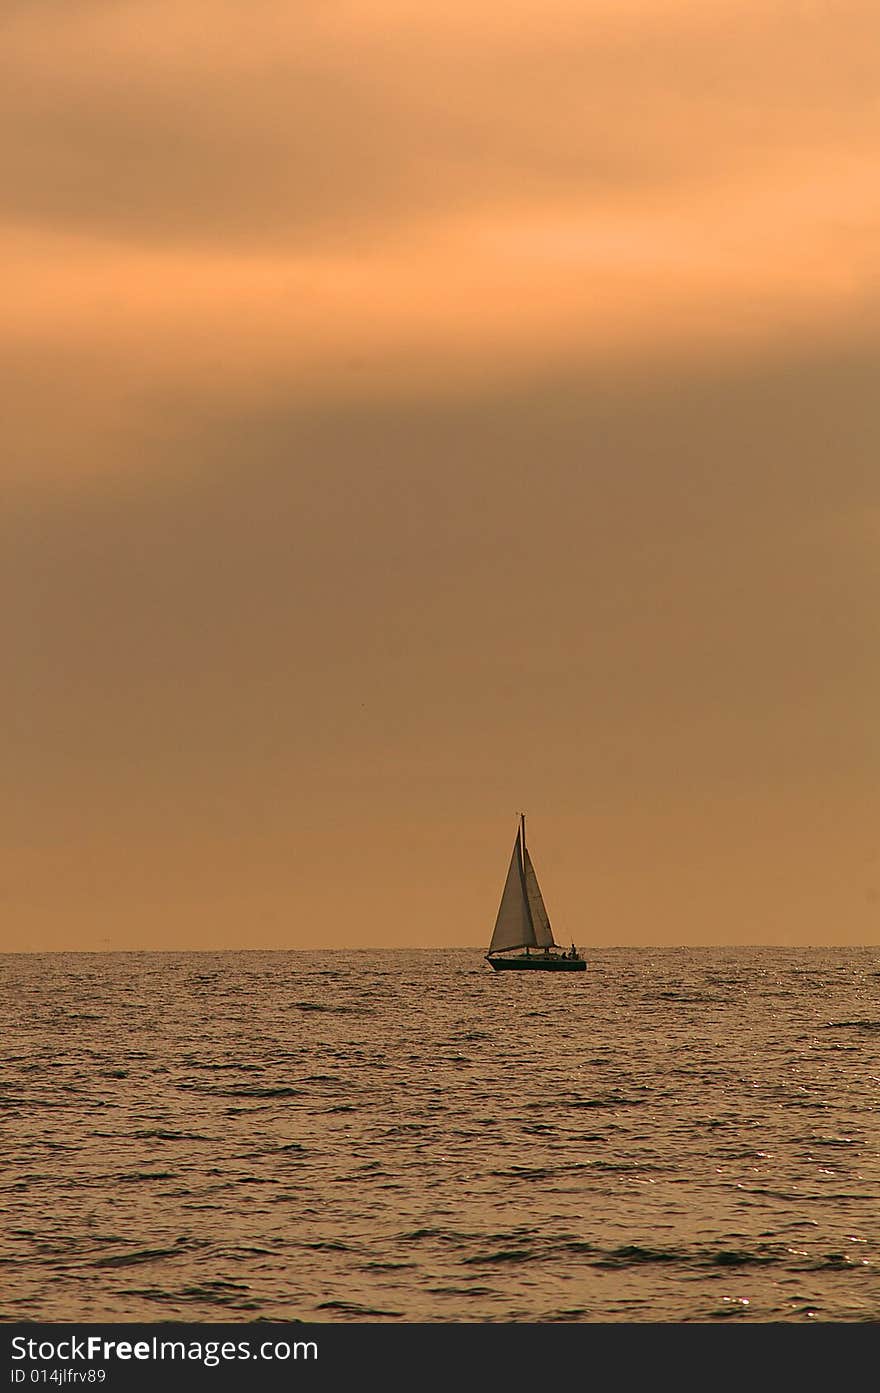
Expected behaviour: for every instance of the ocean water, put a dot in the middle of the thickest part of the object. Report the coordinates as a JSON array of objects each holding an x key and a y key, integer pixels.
[{"x": 674, "y": 1135}]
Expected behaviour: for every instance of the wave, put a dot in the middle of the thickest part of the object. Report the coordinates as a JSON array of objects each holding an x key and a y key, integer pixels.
[
  {"x": 134, "y": 1259},
  {"x": 851, "y": 1025},
  {"x": 243, "y": 1091},
  {"x": 137, "y": 1177},
  {"x": 354, "y": 1308}
]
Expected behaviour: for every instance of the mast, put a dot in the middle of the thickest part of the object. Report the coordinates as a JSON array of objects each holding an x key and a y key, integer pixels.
[{"x": 522, "y": 862}]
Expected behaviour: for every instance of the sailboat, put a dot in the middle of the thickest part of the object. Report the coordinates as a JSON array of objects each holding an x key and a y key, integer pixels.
[{"x": 523, "y": 921}]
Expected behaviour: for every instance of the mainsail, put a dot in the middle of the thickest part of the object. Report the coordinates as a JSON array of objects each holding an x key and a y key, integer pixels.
[{"x": 540, "y": 919}]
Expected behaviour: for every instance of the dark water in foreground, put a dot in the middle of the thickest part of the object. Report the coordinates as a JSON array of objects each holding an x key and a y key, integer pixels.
[{"x": 683, "y": 1134}]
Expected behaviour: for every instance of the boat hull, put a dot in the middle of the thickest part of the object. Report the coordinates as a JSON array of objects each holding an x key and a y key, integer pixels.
[{"x": 536, "y": 964}]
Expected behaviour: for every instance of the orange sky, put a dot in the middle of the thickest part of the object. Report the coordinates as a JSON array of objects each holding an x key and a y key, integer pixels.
[{"x": 413, "y": 415}]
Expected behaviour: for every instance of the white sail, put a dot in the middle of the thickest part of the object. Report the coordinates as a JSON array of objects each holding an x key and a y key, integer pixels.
[
  {"x": 513, "y": 927},
  {"x": 540, "y": 919}
]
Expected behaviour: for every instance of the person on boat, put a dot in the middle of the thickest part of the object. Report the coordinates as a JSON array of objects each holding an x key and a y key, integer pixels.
[{"x": 573, "y": 953}]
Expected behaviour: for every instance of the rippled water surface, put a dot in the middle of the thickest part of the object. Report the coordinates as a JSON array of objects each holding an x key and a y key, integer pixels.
[{"x": 681, "y": 1134}]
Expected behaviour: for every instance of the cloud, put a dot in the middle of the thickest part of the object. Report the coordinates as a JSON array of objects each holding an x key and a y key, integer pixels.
[
  {"x": 102, "y": 331},
  {"x": 215, "y": 122},
  {"x": 349, "y": 202}
]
